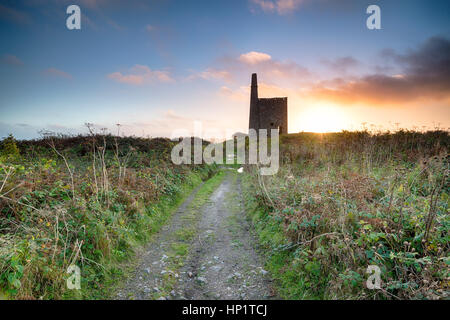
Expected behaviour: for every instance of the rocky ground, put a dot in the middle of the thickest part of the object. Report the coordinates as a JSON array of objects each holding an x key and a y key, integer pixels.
[{"x": 205, "y": 252}]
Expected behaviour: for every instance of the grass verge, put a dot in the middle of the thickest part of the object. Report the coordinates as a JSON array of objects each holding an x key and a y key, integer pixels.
[
  {"x": 155, "y": 217},
  {"x": 288, "y": 280}
]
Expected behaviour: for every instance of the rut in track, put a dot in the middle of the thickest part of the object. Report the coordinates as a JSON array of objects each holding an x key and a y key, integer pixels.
[{"x": 205, "y": 252}]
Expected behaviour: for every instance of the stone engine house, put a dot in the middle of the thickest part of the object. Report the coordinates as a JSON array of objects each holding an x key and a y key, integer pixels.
[{"x": 267, "y": 113}]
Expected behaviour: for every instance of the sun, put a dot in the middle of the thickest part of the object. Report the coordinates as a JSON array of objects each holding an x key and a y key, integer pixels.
[{"x": 322, "y": 118}]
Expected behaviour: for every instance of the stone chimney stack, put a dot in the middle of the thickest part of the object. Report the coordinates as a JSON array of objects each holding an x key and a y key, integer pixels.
[{"x": 254, "y": 112}]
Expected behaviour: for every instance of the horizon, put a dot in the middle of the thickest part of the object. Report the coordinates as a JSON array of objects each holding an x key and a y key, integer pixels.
[
  {"x": 159, "y": 66},
  {"x": 61, "y": 135}
]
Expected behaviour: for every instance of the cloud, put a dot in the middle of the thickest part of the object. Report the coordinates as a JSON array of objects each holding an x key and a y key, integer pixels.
[
  {"x": 425, "y": 75},
  {"x": 266, "y": 5},
  {"x": 150, "y": 28},
  {"x": 280, "y": 6},
  {"x": 420, "y": 75},
  {"x": 172, "y": 115},
  {"x": 93, "y": 3},
  {"x": 236, "y": 69},
  {"x": 265, "y": 90},
  {"x": 285, "y": 6},
  {"x": 53, "y": 72},
  {"x": 14, "y": 15},
  {"x": 341, "y": 64},
  {"x": 23, "y": 125},
  {"x": 11, "y": 60},
  {"x": 254, "y": 57},
  {"x": 32, "y": 131},
  {"x": 275, "y": 70},
  {"x": 212, "y": 74},
  {"x": 140, "y": 74},
  {"x": 241, "y": 94}
]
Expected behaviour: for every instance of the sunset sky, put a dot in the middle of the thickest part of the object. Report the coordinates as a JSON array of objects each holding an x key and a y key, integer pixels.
[{"x": 157, "y": 66}]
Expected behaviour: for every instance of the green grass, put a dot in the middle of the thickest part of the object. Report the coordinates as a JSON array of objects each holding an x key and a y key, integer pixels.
[{"x": 186, "y": 234}]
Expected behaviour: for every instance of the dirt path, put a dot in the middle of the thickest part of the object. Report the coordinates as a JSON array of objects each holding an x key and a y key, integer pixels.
[{"x": 205, "y": 252}]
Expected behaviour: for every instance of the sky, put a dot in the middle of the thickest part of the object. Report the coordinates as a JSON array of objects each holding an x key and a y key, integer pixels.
[{"x": 159, "y": 66}]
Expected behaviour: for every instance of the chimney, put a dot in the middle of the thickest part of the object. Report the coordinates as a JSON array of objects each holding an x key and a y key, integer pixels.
[
  {"x": 254, "y": 94},
  {"x": 254, "y": 112}
]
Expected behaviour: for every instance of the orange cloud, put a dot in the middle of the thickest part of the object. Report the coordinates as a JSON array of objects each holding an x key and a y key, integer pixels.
[
  {"x": 212, "y": 74},
  {"x": 242, "y": 94},
  {"x": 275, "y": 71},
  {"x": 422, "y": 74},
  {"x": 425, "y": 76},
  {"x": 140, "y": 74}
]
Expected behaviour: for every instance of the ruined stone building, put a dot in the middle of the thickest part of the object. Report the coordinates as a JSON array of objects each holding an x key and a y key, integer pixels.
[{"x": 267, "y": 113}]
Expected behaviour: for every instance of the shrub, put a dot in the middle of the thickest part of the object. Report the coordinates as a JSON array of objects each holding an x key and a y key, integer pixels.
[{"x": 9, "y": 147}]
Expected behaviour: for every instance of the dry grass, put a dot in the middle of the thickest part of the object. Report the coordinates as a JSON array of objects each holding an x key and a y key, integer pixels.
[{"x": 349, "y": 200}]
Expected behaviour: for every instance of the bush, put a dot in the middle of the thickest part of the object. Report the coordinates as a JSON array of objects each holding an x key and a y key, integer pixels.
[{"x": 9, "y": 147}]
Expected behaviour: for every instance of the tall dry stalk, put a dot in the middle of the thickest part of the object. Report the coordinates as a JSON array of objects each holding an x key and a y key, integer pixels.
[
  {"x": 52, "y": 145},
  {"x": 92, "y": 133},
  {"x": 122, "y": 163}
]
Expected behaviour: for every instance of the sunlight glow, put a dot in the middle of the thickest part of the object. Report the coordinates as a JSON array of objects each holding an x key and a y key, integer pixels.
[{"x": 322, "y": 118}]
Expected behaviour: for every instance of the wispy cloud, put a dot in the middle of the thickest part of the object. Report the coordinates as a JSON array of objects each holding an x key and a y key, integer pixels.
[
  {"x": 53, "y": 72},
  {"x": 150, "y": 28},
  {"x": 11, "y": 60},
  {"x": 141, "y": 74},
  {"x": 279, "y": 6},
  {"x": 212, "y": 74},
  {"x": 240, "y": 94},
  {"x": 342, "y": 64},
  {"x": 14, "y": 15}
]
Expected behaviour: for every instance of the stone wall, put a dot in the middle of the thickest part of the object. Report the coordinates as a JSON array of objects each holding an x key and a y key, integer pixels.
[{"x": 273, "y": 114}]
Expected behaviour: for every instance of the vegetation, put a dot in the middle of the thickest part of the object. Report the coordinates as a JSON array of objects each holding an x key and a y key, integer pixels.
[
  {"x": 84, "y": 200},
  {"x": 9, "y": 147},
  {"x": 339, "y": 203},
  {"x": 344, "y": 201}
]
